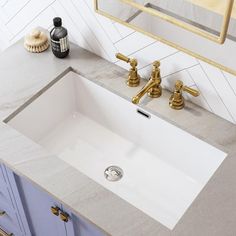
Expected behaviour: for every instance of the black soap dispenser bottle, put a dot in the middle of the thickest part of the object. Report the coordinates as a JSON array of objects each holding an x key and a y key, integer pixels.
[{"x": 59, "y": 39}]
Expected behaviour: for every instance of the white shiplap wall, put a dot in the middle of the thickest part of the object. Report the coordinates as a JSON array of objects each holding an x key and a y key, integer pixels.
[{"x": 105, "y": 38}]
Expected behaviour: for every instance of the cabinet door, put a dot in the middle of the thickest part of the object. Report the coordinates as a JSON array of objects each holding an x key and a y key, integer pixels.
[
  {"x": 13, "y": 220},
  {"x": 77, "y": 226},
  {"x": 37, "y": 204}
]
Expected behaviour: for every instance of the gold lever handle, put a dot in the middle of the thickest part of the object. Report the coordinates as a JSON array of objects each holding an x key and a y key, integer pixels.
[
  {"x": 64, "y": 216},
  {"x": 2, "y": 213},
  {"x": 133, "y": 78},
  {"x": 4, "y": 233},
  {"x": 132, "y": 61},
  {"x": 191, "y": 91},
  {"x": 177, "y": 100},
  {"x": 55, "y": 210},
  {"x": 122, "y": 57}
]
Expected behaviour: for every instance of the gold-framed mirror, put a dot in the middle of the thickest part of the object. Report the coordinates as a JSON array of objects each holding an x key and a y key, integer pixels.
[
  {"x": 205, "y": 29},
  {"x": 167, "y": 13}
]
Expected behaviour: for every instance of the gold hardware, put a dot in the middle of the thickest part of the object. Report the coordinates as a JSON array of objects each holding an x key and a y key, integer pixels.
[
  {"x": 166, "y": 41},
  {"x": 64, "y": 216},
  {"x": 122, "y": 57},
  {"x": 153, "y": 87},
  {"x": 133, "y": 78},
  {"x": 177, "y": 100},
  {"x": 55, "y": 210},
  {"x": 58, "y": 212},
  {"x": 4, "y": 233},
  {"x": 2, "y": 213}
]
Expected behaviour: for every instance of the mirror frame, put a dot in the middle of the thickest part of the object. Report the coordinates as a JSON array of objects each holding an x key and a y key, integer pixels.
[{"x": 170, "y": 43}]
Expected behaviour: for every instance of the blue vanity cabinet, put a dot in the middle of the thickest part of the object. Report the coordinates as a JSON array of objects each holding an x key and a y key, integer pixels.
[
  {"x": 12, "y": 216},
  {"x": 27, "y": 210},
  {"x": 38, "y": 207}
]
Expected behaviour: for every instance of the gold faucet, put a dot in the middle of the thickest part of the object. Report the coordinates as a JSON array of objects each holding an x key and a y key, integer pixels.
[
  {"x": 133, "y": 77},
  {"x": 177, "y": 100},
  {"x": 153, "y": 87}
]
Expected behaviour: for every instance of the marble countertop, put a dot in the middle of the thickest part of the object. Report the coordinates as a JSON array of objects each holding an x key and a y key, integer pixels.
[{"x": 22, "y": 74}]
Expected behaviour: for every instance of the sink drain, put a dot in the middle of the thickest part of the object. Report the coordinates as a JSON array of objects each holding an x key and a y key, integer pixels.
[{"x": 113, "y": 173}]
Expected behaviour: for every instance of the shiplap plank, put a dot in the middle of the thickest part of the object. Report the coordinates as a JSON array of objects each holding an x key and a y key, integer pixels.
[
  {"x": 9, "y": 9},
  {"x": 168, "y": 82},
  {"x": 43, "y": 20},
  {"x": 213, "y": 99},
  {"x": 133, "y": 43},
  {"x": 153, "y": 52},
  {"x": 82, "y": 25},
  {"x": 200, "y": 100},
  {"x": 149, "y": 54},
  {"x": 72, "y": 28},
  {"x": 123, "y": 30},
  {"x": 27, "y": 15},
  {"x": 93, "y": 24},
  {"x": 105, "y": 23},
  {"x": 231, "y": 80},
  {"x": 5, "y": 36},
  {"x": 223, "y": 88},
  {"x": 177, "y": 62}
]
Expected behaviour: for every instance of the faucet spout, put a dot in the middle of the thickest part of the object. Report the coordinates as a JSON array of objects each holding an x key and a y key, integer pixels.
[
  {"x": 151, "y": 84},
  {"x": 153, "y": 87}
]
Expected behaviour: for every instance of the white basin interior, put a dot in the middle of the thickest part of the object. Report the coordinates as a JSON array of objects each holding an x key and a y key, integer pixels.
[{"x": 92, "y": 128}]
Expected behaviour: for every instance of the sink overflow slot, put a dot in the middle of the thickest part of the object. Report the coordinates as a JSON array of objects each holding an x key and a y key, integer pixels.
[{"x": 144, "y": 114}]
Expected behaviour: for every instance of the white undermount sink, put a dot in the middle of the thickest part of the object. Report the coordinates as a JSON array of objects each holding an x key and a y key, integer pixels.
[{"x": 92, "y": 128}]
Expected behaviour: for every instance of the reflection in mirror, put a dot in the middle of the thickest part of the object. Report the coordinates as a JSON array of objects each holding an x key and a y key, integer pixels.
[
  {"x": 141, "y": 15},
  {"x": 188, "y": 12},
  {"x": 198, "y": 16}
]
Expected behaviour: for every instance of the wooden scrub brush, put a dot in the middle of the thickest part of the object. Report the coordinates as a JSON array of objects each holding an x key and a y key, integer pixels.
[{"x": 36, "y": 41}]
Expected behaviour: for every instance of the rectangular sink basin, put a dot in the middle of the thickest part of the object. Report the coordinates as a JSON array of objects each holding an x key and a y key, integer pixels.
[{"x": 91, "y": 128}]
